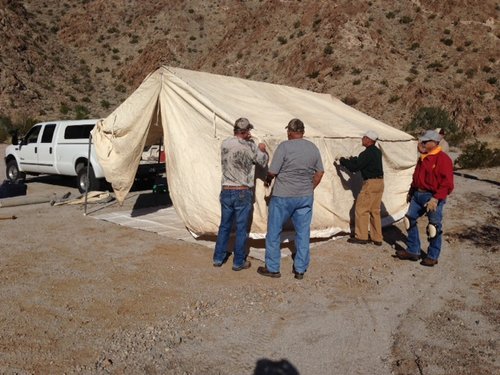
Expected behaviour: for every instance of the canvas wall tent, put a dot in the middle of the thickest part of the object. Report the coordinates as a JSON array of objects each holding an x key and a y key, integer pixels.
[{"x": 196, "y": 111}]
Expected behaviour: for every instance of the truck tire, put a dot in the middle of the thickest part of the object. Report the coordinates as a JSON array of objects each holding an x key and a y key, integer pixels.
[
  {"x": 94, "y": 183},
  {"x": 12, "y": 172}
]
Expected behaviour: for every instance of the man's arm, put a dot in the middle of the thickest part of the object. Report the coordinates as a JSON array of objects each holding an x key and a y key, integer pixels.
[
  {"x": 317, "y": 178},
  {"x": 261, "y": 155}
]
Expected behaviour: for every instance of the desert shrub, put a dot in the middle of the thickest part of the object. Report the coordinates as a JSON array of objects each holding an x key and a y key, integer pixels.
[
  {"x": 355, "y": 71},
  {"x": 478, "y": 155},
  {"x": 492, "y": 80},
  {"x": 356, "y": 82},
  {"x": 470, "y": 72},
  {"x": 431, "y": 118},
  {"x": 393, "y": 99},
  {"x": 405, "y": 19},
  {"x": 296, "y": 24},
  {"x": 21, "y": 126},
  {"x": 486, "y": 69},
  {"x": 81, "y": 112},
  {"x": 328, "y": 50},
  {"x": 447, "y": 41},
  {"x": 313, "y": 74},
  {"x": 64, "y": 109},
  {"x": 105, "y": 104},
  {"x": 414, "y": 46},
  {"x": 120, "y": 88},
  {"x": 434, "y": 65},
  {"x": 350, "y": 100},
  {"x": 390, "y": 15},
  {"x": 316, "y": 24},
  {"x": 5, "y": 128},
  {"x": 282, "y": 40}
]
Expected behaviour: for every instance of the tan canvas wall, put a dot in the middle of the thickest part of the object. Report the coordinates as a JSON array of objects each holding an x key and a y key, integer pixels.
[{"x": 197, "y": 111}]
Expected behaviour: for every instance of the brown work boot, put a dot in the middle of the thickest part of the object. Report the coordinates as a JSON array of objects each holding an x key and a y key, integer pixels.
[
  {"x": 429, "y": 262},
  {"x": 405, "y": 255},
  {"x": 265, "y": 272}
]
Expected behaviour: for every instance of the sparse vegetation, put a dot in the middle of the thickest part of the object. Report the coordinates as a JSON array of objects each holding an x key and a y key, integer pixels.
[
  {"x": 350, "y": 100},
  {"x": 432, "y": 118},
  {"x": 64, "y": 109},
  {"x": 393, "y": 99},
  {"x": 405, "y": 19},
  {"x": 478, "y": 155},
  {"x": 328, "y": 50},
  {"x": 447, "y": 41},
  {"x": 313, "y": 74},
  {"x": 282, "y": 40},
  {"x": 434, "y": 65},
  {"x": 414, "y": 46},
  {"x": 492, "y": 80},
  {"x": 81, "y": 112},
  {"x": 105, "y": 104}
]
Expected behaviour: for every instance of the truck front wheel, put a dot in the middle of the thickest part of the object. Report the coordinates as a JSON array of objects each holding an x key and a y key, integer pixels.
[
  {"x": 12, "y": 172},
  {"x": 94, "y": 183}
]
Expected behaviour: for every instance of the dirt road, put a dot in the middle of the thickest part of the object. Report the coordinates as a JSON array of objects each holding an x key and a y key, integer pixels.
[{"x": 80, "y": 295}]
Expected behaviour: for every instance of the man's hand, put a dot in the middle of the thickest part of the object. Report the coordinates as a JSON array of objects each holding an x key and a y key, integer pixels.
[
  {"x": 262, "y": 147},
  {"x": 268, "y": 180},
  {"x": 432, "y": 205}
]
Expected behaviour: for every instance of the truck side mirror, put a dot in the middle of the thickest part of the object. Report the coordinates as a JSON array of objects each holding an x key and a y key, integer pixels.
[{"x": 15, "y": 137}]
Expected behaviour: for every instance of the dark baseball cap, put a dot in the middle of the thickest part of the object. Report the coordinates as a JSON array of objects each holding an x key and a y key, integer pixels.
[{"x": 242, "y": 124}]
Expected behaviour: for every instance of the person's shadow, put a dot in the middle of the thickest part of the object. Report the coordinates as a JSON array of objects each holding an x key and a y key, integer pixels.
[
  {"x": 268, "y": 367},
  {"x": 352, "y": 182}
]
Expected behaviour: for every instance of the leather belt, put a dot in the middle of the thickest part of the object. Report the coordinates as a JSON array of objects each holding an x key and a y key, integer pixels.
[
  {"x": 235, "y": 188},
  {"x": 424, "y": 191}
]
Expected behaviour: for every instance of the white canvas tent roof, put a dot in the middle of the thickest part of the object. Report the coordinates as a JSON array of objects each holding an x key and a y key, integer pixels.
[{"x": 196, "y": 112}]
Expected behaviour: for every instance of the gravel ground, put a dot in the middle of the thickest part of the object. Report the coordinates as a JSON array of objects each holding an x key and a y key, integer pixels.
[{"x": 84, "y": 296}]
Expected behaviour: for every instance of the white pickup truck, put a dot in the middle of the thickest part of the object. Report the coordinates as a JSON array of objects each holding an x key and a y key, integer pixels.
[{"x": 61, "y": 148}]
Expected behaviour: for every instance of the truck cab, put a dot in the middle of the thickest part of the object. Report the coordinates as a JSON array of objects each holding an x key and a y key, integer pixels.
[{"x": 57, "y": 148}]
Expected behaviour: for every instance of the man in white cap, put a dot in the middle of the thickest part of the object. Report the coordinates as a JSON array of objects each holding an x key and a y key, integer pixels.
[
  {"x": 239, "y": 155},
  {"x": 431, "y": 184},
  {"x": 369, "y": 199}
]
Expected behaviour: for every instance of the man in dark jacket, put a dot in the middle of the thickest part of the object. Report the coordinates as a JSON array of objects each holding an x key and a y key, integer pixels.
[
  {"x": 369, "y": 199},
  {"x": 431, "y": 184}
]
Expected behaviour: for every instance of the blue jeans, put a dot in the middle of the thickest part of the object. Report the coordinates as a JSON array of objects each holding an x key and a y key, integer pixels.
[
  {"x": 299, "y": 209},
  {"x": 416, "y": 210},
  {"x": 236, "y": 205}
]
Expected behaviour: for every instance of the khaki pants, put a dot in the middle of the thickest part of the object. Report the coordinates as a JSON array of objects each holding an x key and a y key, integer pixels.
[{"x": 368, "y": 210}]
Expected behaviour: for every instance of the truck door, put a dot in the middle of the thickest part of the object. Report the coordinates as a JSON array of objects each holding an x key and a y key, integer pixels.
[
  {"x": 28, "y": 150},
  {"x": 46, "y": 155}
]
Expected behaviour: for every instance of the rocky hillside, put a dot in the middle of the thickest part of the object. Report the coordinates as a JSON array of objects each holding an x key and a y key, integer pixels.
[{"x": 388, "y": 58}]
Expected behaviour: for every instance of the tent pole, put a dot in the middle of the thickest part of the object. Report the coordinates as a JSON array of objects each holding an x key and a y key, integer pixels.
[{"x": 87, "y": 178}]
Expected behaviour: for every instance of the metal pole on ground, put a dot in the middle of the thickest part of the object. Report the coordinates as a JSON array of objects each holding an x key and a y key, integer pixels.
[{"x": 87, "y": 178}]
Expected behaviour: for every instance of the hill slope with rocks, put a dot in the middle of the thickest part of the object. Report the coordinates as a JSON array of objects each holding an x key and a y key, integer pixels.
[{"x": 386, "y": 58}]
